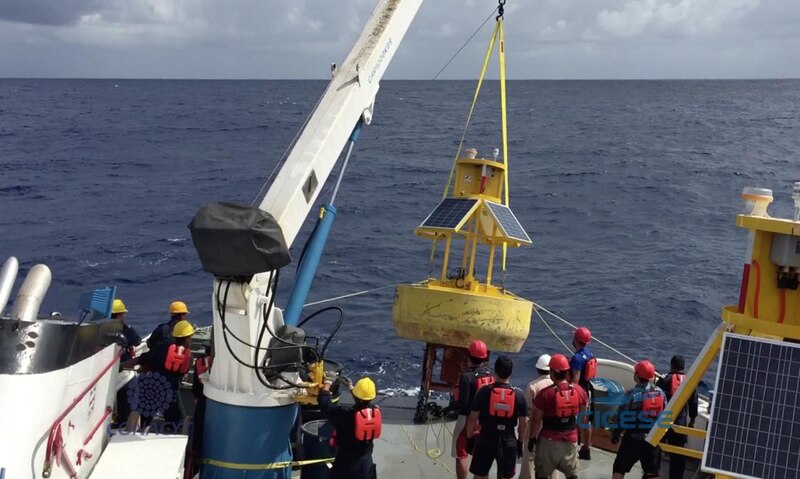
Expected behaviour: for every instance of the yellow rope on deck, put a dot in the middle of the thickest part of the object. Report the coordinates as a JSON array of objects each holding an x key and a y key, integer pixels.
[{"x": 262, "y": 467}]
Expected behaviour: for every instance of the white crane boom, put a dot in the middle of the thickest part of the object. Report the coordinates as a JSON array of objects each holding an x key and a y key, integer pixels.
[{"x": 349, "y": 97}]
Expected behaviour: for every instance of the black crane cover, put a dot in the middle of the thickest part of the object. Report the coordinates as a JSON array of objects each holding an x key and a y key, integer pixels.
[{"x": 235, "y": 240}]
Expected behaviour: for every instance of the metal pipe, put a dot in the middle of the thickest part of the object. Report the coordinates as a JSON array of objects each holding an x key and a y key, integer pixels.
[
  {"x": 7, "y": 277},
  {"x": 31, "y": 293}
]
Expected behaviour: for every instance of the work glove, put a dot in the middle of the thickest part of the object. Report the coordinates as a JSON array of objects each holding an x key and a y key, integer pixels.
[
  {"x": 471, "y": 445},
  {"x": 519, "y": 448},
  {"x": 532, "y": 444},
  {"x": 346, "y": 381}
]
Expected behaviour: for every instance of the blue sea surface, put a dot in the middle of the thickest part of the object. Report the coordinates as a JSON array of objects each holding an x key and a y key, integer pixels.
[{"x": 629, "y": 190}]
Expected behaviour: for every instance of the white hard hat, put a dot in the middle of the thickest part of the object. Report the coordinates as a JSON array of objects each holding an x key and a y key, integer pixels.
[{"x": 543, "y": 363}]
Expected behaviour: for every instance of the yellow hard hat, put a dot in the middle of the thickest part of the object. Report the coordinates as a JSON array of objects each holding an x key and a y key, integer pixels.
[
  {"x": 119, "y": 307},
  {"x": 364, "y": 389},
  {"x": 182, "y": 329},
  {"x": 178, "y": 307}
]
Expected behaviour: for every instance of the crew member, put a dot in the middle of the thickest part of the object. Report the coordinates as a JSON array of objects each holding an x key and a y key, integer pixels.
[
  {"x": 132, "y": 339},
  {"x": 556, "y": 413},
  {"x": 669, "y": 384},
  {"x": 584, "y": 369},
  {"x": 499, "y": 408},
  {"x": 538, "y": 384},
  {"x": 477, "y": 375},
  {"x": 177, "y": 312},
  {"x": 637, "y": 413},
  {"x": 170, "y": 360},
  {"x": 357, "y": 427}
]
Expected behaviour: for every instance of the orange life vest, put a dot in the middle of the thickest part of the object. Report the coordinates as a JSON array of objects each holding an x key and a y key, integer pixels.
[
  {"x": 178, "y": 359},
  {"x": 501, "y": 401},
  {"x": 675, "y": 383},
  {"x": 590, "y": 371},
  {"x": 202, "y": 364},
  {"x": 368, "y": 424},
  {"x": 652, "y": 404},
  {"x": 567, "y": 406}
]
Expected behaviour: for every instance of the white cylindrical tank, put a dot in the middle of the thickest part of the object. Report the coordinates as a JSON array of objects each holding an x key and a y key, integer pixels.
[
  {"x": 7, "y": 277},
  {"x": 31, "y": 293}
]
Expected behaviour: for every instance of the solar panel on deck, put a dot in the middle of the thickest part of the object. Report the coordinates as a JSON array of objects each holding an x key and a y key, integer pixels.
[
  {"x": 508, "y": 222},
  {"x": 754, "y": 430},
  {"x": 450, "y": 213}
]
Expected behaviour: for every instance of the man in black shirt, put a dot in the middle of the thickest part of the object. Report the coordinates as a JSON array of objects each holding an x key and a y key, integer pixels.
[
  {"x": 499, "y": 408},
  {"x": 163, "y": 332},
  {"x": 357, "y": 427},
  {"x": 477, "y": 375},
  {"x": 669, "y": 384},
  {"x": 132, "y": 339},
  {"x": 169, "y": 361}
]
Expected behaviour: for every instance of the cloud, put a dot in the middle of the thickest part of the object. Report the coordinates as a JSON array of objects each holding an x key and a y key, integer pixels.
[
  {"x": 48, "y": 12},
  {"x": 667, "y": 18},
  {"x": 300, "y": 38}
]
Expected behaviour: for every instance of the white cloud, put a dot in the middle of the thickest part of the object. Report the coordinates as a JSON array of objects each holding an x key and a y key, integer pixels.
[
  {"x": 666, "y": 18},
  {"x": 298, "y": 39}
]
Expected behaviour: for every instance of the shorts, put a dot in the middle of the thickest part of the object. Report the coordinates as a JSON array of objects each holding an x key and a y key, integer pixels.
[
  {"x": 502, "y": 449},
  {"x": 459, "y": 448},
  {"x": 632, "y": 450},
  {"x": 554, "y": 456}
]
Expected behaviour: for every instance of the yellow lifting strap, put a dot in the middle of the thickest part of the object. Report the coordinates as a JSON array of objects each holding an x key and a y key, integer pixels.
[
  {"x": 472, "y": 107},
  {"x": 503, "y": 122},
  {"x": 498, "y": 36},
  {"x": 261, "y": 467}
]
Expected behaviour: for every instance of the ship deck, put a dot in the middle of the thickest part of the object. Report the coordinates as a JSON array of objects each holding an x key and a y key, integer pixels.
[{"x": 408, "y": 450}]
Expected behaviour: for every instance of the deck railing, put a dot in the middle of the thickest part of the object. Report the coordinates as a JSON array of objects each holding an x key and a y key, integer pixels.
[{"x": 56, "y": 448}]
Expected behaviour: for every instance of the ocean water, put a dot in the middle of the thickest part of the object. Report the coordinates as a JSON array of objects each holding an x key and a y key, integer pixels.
[{"x": 628, "y": 189}]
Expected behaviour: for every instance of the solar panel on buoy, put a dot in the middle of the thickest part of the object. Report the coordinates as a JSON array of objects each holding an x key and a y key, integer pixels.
[
  {"x": 450, "y": 214},
  {"x": 508, "y": 222},
  {"x": 754, "y": 430}
]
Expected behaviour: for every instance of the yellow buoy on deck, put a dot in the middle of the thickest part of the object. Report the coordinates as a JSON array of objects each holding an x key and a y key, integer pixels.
[{"x": 458, "y": 306}]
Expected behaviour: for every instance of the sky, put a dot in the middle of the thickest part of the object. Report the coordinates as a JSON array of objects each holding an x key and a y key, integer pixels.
[{"x": 293, "y": 39}]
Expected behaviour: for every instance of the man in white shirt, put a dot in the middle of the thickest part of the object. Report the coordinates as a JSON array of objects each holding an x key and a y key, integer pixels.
[{"x": 533, "y": 388}]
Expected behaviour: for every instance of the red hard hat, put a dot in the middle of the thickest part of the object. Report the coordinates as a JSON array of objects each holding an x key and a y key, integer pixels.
[
  {"x": 645, "y": 370},
  {"x": 582, "y": 335},
  {"x": 478, "y": 349},
  {"x": 559, "y": 363}
]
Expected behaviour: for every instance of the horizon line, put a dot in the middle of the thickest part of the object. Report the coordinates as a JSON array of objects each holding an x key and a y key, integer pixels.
[{"x": 399, "y": 79}]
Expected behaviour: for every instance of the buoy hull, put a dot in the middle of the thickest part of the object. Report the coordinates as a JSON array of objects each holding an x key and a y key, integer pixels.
[{"x": 454, "y": 317}]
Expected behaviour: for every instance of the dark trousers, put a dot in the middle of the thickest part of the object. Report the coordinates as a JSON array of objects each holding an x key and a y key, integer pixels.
[
  {"x": 353, "y": 466},
  {"x": 677, "y": 462},
  {"x": 123, "y": 405}
]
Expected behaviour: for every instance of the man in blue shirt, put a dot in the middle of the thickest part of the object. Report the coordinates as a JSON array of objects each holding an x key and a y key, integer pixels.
[
  {"x": 584, "y": 368},
  {"x": 635, "y": 417}
]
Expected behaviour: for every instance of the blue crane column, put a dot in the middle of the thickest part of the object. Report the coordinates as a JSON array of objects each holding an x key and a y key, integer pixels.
[
  {"x": 262, "y": 433},
  {"x": 309, "y": 261}
]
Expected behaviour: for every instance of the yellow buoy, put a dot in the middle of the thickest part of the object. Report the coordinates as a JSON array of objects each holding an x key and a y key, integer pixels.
[{"x": 458, "y": 306}]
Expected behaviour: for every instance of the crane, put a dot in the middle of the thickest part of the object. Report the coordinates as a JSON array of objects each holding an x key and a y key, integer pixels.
[{"x": 251, "y": 401}]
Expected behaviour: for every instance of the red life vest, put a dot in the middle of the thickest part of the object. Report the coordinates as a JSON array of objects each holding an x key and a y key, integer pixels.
[
  {"x": 567, "y": 406},
  {"x": 590, "y": 371},
  {"x": 480, "y": 379},
  {"x": 652, "y": 404},
  {"x": 202, "y": 364},
  {"x": 368, "y": 424},
  {"x": 567, "y": 402},
  {"x": 501, "y": 401},
  {"x": 178, "y": 359},
  {"x": 675, "y": 383}
]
